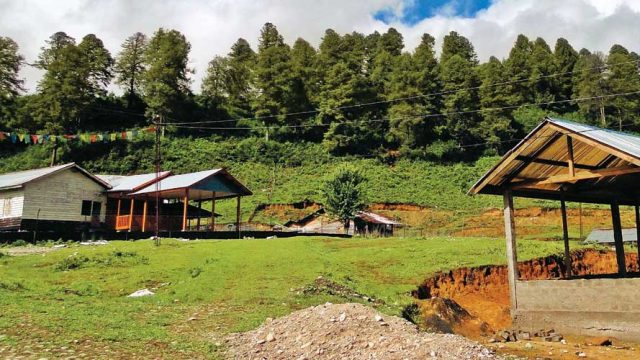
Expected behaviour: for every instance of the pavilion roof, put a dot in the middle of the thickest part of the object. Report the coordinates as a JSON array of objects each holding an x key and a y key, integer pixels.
[{"x": 563, "y": 159}]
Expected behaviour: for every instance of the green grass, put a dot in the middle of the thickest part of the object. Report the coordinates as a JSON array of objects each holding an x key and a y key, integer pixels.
[{"x": 80, "y": 292}]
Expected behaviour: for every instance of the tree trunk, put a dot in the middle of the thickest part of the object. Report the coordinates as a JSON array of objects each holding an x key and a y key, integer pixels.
[{"x": 347, "y": 224}]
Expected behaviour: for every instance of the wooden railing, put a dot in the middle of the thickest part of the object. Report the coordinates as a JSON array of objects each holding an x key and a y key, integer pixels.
[{"x": 122, "y": 222}]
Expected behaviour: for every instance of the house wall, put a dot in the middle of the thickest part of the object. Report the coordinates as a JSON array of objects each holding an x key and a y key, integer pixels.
[
  {"x": 592, "y": 307},
  {"x": 59, "y": 197},
  {"x": 11, "y": 205}
]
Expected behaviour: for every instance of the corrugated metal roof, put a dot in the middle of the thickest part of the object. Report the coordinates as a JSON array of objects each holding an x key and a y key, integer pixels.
[
  {"x": 19, "y": 178},
  {"x": 625, "y": 142},
  {"x": 605, "y": 161},
  {"x": 125, "y": 183},
  {"x": 376, "y": 218},
  {"x": 178, "y": 181},
  {"x": 604, "y": 236}
]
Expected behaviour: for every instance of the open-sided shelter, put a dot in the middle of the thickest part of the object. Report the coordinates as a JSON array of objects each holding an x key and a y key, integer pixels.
[
  {"x": 199, "y": 186},
  {"x": 566, "y": 161}
]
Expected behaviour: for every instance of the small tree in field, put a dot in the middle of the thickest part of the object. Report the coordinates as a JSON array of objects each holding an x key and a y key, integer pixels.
[{"x": 344, "y": 195}]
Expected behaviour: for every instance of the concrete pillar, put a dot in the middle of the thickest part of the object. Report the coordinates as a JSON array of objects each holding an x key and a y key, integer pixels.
[{"x": 512, "y": 259}]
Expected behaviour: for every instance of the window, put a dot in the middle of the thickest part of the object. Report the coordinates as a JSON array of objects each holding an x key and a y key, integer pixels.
[
  {"x": 86, "y": 207},
  {"x": 95, "y": 210}
]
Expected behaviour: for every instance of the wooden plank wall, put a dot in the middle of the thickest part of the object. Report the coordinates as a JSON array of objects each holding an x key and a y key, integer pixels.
[
  {"x": 11, "y": 204},
  {"x": 59, "y": 197}
]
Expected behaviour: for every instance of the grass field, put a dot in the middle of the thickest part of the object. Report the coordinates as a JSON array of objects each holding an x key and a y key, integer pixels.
[{"x": 73, "y": 300}]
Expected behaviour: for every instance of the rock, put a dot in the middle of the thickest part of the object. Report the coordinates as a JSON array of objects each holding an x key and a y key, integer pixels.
[
  {"x": 261, "y": 341},
  {"x": 599, "y": 341},
  {"x": 524, "y": 335},
  {"x": 528, "y": 346},
  {"x": 581, "y": 354},
  {"x": 342, "y": 317},
  {"x": 140, "y": 293},
  {"x": 271, "y": 337},
  {"x": 378, "y": 318}
]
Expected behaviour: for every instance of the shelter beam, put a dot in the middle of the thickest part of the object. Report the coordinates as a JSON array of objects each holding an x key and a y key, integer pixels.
[
  {"x": 131, "y": 213},
  {"x": 144, "y": 215},
  {"x": 213, "y": 211}
]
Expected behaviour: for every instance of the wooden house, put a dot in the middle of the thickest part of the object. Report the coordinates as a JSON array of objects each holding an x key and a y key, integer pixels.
[{"x": 61, "y": 197}]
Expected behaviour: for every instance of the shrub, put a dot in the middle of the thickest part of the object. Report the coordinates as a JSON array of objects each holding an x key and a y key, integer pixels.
[
  {"x": 20, "y": 242},
  {"x": 71, "y": 263}
]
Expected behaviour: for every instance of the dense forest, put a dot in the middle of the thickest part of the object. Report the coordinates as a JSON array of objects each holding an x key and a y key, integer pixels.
[{"x": 355, "y": 94}]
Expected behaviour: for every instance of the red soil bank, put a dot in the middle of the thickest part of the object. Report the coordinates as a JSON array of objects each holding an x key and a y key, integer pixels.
[{"x": 484, "y": 290}]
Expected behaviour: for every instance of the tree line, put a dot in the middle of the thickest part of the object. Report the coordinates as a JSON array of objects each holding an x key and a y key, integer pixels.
[{"x": 355, "y": 93}]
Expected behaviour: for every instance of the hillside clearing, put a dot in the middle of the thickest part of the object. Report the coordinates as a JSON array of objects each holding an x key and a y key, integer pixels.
[{"x": 73, "y": 300}]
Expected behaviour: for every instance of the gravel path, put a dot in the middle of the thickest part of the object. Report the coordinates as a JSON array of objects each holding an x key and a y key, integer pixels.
[{"x": 348, "y": 331}]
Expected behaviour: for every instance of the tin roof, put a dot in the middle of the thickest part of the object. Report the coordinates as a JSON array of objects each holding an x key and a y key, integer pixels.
[
  {"x": 201, "y": 185},
  {"x": 18, "y": 179},
  {"x": 376, "y": 218},
  {"x": 606, "y": 165},
  {"x": 126, "y": 183},
  {"x": 605, "y": 236}
]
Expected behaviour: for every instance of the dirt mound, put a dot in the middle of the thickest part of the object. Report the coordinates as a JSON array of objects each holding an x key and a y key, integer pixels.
[
  {"x": 348, "y": 331},
  {"x": 484, "y": 290},
  {"x": 321, "y": 285},
  {"x": 446, "y": 316}
]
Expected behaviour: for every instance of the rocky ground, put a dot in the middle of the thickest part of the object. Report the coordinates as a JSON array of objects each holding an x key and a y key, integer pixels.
[{"x": 348, "y": 331}]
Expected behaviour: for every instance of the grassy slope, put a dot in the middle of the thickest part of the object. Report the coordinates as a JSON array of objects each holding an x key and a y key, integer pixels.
[
  {"x": 300, "y": 175},
  {"x": 238, "y": 284}
]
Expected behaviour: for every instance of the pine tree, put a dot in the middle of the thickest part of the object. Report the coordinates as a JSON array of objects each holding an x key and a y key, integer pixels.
[
  {"x": 413, "y": 77},
  {"x": 565, "y": 58},
  {"x": 10, "y": 83},
  {"x": 241, "y": 64},
  {"x": 496, "y": 126},
  {"x": 304, "y": 91},
  {"x": 543, "y": 83},
  {"x": 519, "y": 71},
  {"x": 274, "y": 81},
  {"x": 165, "y": 82},
  {"x": 460, "y": 83},
  {"x": 345, "y": 83},
  {"x": 590, "y": 82},
  {"x": 76, "y": 77},
  {"x": 130, "y": 65},
  {"x": 623, "y": 78}
]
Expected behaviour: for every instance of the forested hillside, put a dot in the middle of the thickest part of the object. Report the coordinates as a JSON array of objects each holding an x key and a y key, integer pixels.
[{"x": 356, "y": 94}]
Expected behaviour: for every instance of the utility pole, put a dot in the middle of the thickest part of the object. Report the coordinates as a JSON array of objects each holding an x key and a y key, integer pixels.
[{"x": 158, "y": 170}]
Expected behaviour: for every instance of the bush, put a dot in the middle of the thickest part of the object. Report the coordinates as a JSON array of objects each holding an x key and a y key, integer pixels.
[
  {"x": 71, "y": 263},
  {"x": 20, "y": 242}
]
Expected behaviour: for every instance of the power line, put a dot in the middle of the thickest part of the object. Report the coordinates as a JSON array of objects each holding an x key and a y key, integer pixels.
[
  {"x": 315, "y": 111},
  {"x": 426, "y": 115}
]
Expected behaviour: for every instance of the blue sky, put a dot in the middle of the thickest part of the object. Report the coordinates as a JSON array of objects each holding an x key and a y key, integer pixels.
[{"x": 417, "y": 10}]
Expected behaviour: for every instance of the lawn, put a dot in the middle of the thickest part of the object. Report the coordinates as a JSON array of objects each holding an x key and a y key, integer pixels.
[{"x": 73, "y": 300}]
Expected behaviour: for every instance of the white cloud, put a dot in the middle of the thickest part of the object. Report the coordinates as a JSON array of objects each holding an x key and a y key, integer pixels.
[{"x": 212, "y": 26}]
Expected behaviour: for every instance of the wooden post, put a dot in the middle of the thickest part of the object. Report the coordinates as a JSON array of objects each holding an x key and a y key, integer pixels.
[
  {"x": 185, "y": 210},
  {"x": 617, "y": 237},
  {"x": 638, "y": 232},
  {"x": 213, "y": 211},
  {"x": 512, "y": 258},
  {"x": 565, "y": 237},
  {"x": 198, "y": 218},
  {"x": 118, "y": 209},
  {"x": 144, "y": 215},
  {"x": 238, "y": 216},
  {"x": 131, "y": 213}
]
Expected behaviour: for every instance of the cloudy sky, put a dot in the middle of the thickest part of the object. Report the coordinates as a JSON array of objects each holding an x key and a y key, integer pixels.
[{"x": 213, "y": 25}]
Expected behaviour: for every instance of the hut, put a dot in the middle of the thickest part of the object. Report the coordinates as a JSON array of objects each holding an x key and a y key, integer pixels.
[
  {"x": 565, "y": 161},
  {"x": 62, "y": 198},
  {"x": 369, "y": 223}
]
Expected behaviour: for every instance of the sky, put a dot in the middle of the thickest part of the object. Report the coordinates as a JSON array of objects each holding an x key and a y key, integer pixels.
[{"x": 211, "y": 26}]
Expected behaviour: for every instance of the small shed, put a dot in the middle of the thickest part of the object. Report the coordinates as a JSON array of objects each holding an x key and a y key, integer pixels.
[
  {"x": 64, "y": 197},
  {"x": 567, "y": 161},
  {"x": 369, "y": 223}
]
